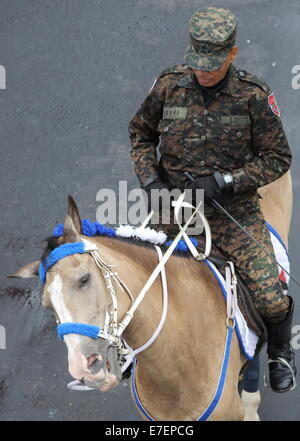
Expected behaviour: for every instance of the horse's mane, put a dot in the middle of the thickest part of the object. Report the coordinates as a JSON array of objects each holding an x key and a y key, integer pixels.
[
  {"x": 145, "y": 244},
  {"x": 53, "y": 242}
]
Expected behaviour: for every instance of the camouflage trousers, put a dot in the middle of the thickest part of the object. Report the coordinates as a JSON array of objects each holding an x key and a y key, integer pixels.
[{"x": 258, "y": 271}]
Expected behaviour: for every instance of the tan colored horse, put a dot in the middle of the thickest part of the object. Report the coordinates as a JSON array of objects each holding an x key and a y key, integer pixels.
[
  {"x": 277, "y": 204},
  {"x": 177, "y": 376}
]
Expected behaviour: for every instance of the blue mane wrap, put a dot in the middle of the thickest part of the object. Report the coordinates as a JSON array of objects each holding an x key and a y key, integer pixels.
[
  {"x": 89, "y": 229},
  {"x": 182, "y": 246}
]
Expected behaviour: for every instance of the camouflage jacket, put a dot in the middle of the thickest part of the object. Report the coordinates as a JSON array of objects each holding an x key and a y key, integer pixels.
[{"x": 239, "y": 132}]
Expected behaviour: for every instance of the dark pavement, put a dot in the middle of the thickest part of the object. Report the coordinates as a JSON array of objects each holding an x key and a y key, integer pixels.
[{"x": 77, "y": 70}]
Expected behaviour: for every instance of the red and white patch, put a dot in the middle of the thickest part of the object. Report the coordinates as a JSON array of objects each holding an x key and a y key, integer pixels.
[
  {"x": 282, "y": 276},
  {"x": 273, "y": 104}
]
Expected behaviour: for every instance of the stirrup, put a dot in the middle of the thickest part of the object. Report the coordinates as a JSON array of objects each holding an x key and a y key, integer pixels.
[{"x": 283, "y": 361}]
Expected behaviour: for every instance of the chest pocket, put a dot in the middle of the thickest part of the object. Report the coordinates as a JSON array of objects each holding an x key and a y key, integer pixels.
[
  {"x": 169, "y": 127},
  {"x": 172, "y": 137},
  {"x": 236, "y": 143},
  {"x": 236, "y": 133}
]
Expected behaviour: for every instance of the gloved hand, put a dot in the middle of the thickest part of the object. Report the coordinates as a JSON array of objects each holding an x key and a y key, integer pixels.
[
  {"x": 216, "y": 186},
  {"x": 206, "y": 183},
  {"x": 157, "y": 184}
]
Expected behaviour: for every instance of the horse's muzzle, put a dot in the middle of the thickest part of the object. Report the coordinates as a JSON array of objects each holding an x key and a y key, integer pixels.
[{"x": 105, "y": 371}]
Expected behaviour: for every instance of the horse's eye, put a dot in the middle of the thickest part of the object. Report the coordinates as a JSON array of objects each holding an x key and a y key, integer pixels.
[
  {"x": 55, "y": 316},
  {"x": 83, "y": 281}
]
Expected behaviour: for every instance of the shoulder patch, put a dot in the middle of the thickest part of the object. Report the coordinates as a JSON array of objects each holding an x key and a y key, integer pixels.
[
  {"x": 273, "y": 104},
  {"x": 243, "y": 75}
]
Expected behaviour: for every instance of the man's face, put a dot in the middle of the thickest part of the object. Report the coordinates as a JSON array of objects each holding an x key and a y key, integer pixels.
[{"x": 209, "y": 79}]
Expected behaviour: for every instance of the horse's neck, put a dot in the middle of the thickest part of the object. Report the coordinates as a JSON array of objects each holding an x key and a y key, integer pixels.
[
  {"x": 191, "y": 343},
  {"x": 189, "y": 287},
  {"x": 134, "y": 264}
]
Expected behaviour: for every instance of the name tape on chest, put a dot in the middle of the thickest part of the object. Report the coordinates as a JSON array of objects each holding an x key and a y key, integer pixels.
[
  {"x": 241, "y": 120},
  {"x": 175, "y": 112}
]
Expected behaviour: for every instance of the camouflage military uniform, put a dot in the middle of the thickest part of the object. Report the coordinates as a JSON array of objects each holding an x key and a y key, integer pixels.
[{"x": 238, "y": 132}]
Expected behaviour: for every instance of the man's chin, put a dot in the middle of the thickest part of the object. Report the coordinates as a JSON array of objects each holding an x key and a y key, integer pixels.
[{"x": 207, "y": 83}]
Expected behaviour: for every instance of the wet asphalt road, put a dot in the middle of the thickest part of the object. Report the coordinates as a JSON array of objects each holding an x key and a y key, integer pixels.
[{"x": 76, "y": 73}]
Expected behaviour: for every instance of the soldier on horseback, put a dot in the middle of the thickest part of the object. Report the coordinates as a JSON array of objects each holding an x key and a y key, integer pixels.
[{"x": 222, "y": 125}]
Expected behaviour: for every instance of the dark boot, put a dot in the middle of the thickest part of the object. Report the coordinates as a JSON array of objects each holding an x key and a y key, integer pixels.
[{"x": 281, "y": 355}]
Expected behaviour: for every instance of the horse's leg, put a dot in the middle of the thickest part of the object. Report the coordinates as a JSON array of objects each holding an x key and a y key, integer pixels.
[
  {"x": 251, "y": 401},
  {"x": 250, "y": 393}
]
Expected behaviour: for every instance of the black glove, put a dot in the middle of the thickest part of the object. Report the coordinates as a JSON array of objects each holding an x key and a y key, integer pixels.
[
  {"x": 206, "y": 183},
  {"x": 214, "y": 187},
  {"x": 157, "y": 184}
]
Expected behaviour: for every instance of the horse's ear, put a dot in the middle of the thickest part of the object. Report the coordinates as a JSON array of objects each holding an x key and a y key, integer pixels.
[
  {"x": 27, "y": 271},
  {"x": 74, "y": 213},
  {"x": 72, "y": 224}
]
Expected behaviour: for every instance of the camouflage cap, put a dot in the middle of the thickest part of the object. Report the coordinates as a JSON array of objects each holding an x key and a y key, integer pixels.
[{"x": 212, "y": 34}]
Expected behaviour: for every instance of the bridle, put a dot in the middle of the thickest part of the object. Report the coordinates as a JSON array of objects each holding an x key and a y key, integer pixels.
[{"x": 112, "y": 330}]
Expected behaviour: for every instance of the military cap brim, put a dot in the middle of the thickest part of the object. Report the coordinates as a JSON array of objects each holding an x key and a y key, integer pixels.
[{"x": 204, "y": 62}]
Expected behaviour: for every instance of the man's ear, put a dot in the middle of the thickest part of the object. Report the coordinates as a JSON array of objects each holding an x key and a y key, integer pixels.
[
  {"x": 233, "y": 53},
  {"x": 27, "y": 271}
]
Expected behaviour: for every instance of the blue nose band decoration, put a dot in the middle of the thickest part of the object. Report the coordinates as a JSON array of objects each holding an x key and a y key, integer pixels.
[{"x": 78, "y": 328}]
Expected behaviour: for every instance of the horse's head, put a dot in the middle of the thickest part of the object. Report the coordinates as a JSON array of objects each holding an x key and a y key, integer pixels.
[{"x": 75, "y": 289}]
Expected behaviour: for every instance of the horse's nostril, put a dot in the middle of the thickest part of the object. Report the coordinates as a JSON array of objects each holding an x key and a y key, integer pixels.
[
  {"x": 91, "y": 359},
  {"x": 95, "y": 363}
]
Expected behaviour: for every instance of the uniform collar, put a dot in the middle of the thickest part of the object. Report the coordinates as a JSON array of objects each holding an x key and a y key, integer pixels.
[
  {"x": 188, "y": 80},
  {"x": 232, "y": 87}
]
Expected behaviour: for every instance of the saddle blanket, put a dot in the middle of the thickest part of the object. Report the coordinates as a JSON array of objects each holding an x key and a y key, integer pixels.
[{"x": 247, "y": 337}]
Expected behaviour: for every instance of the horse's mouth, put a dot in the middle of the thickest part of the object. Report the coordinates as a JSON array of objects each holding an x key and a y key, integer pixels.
[
  {"x": 103, "y": 377},
  {"x": 104, "y": 385}
]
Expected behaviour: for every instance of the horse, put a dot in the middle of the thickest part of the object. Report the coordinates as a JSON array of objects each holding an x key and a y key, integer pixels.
[{"x": 176, "y": 376}]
